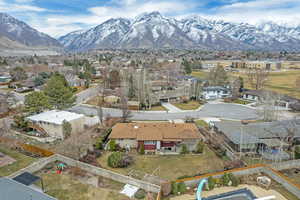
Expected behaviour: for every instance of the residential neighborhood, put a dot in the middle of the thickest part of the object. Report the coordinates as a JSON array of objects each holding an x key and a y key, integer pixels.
[{"x": 141, "y": 102}]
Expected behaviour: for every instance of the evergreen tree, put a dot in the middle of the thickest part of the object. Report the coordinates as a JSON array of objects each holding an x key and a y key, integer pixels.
[
  {"x": 59, "y": 93},
  {"x": 36, "y": 102}
]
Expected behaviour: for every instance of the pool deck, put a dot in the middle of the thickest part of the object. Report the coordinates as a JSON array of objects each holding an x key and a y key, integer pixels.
[{"x": 257, "y": 191}]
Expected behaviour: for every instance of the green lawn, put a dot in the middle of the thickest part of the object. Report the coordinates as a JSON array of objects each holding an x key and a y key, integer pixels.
[
  {"x": 21, "y": 161},
  {"x": 158, "y": 108},
  {"x": 171, "y": 167},
  {"x": 201, "y": 123},
  {"x": 191, "y": 105}
]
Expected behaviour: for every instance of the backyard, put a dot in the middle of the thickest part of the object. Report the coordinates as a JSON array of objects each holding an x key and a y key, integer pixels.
[
  {"x": 172, "y": 166},
  {"x": 21, "y": 161},
  {"x": 66, "y": 187}
]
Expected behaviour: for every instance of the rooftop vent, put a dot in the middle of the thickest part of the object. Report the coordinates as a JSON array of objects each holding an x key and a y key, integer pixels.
[{"x": 135, "y": 127}]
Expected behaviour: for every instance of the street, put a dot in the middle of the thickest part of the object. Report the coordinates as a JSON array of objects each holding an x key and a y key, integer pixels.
[{"x": 222, "y": 110}]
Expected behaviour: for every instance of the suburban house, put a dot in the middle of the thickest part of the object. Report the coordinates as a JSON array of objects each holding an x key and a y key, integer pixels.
[
  {"x": 252, "y": 95},
  {"x": 156, "y": 137},
  {"x": 11, "y": 189},
  {"x": 215, "y": 92},
  {"x": 257, "y": 95},
  {"x": 50, "y": 123},
  {"x": 264, "y": 137}
]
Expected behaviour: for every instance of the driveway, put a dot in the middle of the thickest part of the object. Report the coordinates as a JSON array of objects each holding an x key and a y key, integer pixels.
[
  {"x": 222, "y": 110},
  {"x": 171, "y": 108}
]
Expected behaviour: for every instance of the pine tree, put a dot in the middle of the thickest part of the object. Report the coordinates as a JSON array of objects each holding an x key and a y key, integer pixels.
[
  {"x": 36, "y": 102},
  {"x": 59, "y": 93}
]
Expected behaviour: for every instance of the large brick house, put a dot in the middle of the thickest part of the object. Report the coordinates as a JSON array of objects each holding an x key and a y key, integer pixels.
[{"x": 156, "y": 137}]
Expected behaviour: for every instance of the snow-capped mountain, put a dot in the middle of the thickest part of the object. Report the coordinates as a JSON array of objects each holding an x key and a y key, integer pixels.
[
  {"x": 106, "y": 35},
  {"x": 152, "y": 30},
  {"x": 19, "y": 32}
]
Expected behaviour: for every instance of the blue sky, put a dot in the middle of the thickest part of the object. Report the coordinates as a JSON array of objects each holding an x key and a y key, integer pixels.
[{"x": 58, "y": 17}]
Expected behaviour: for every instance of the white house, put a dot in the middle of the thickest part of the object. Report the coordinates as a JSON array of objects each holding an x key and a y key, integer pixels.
[
  {"x": 51, "y": 122},
  {"x": 215, "y": 92}
]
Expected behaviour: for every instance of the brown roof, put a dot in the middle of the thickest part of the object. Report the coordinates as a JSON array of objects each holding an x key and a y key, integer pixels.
[{"x": 155, "y": 131}]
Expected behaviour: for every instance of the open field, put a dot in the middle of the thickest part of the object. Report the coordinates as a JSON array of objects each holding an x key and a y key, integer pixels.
[
  {"x": 191, "y": 105},
  {"x": 171, "y": 167},
  {"x": 21, "y": 161},
  {"x": 66, "y": 187},
  {"x": 281, "y": 82}
]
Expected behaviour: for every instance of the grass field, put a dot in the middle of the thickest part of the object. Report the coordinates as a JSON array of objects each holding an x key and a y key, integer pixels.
[
  {"x": 281, "y": 82},
  {"x": 21, "y": 161},
  {"x": 191, "y": 105},
  {"x": 65, "y": 187},
  {"x": 171, "y": 167}
]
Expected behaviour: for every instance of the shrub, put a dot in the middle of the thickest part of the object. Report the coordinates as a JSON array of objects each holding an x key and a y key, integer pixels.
[
  {"x": 115, "y": 159},
  {"x": 225, "y": 179},
  {"x": 119, "y": 160},
  {"x": 211, "y": 183},
  {"x": 200, "y": 147},
  {"x": 234, "y": 180},
  {"x": 181, "y": 188},
  {"x": 99, "y": 144},
  {"x": 112, "y": 145},
  {"x": 184, "y": 149},
  {"x": 140, "y": 194},
  {"x": 142, "y": 149},
  {"x": 174, "y": 188}
]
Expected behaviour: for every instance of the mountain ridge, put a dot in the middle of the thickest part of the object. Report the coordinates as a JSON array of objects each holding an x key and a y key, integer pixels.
[{"x": 153, "y": 30}]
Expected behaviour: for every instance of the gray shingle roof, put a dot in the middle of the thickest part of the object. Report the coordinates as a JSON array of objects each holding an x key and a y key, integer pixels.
[
  {"x": 12, "y": 190},
  {"x": 253, "y": 132}
]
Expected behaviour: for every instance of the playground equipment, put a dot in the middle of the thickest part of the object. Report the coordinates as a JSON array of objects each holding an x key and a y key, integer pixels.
[
  {"x": 200, "y": 187},
  {"x": 60, "y": 167}
]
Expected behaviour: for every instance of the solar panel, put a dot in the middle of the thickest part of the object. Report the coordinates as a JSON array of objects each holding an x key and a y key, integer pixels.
[{"x": 26, "y": 178}]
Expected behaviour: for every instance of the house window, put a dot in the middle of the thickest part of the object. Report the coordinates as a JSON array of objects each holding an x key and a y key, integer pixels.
[{"x": 149, "y": 142}]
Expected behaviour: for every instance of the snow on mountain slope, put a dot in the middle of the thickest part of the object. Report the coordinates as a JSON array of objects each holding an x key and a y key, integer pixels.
[
  {"x": 152, "y": 30},
  {"x": 106, "y": 35},
  {"x": 18, "y": 31}
]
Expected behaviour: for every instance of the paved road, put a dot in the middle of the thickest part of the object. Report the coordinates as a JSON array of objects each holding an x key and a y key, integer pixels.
[
  {"x": 87, "y": 94},
  {"x": 224, "y": 111}
]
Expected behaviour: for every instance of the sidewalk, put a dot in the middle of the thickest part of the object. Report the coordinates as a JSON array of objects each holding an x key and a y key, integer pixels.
[{"x": 171, "y": 108}]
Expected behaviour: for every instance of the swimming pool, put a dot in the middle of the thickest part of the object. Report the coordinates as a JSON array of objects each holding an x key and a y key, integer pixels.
[{"x": 242, "y": 194}]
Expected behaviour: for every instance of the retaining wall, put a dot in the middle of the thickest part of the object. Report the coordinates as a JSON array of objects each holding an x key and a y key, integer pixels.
[
  {"x": 286, "y": 165},
  {"x": 40, "y": 164},
  {"x": 286, "y": 182}
]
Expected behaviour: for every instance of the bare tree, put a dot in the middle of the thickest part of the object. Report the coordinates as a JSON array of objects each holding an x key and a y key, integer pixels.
[
  {"x": 100, "y": 104},
  {"x": 217, "y": 76},
  {"x": 257, "y": 77},
  {"x": 269, "y": 108},
  {"x": 235, "y": 87},
  {"x": 126, "y": 113}
]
